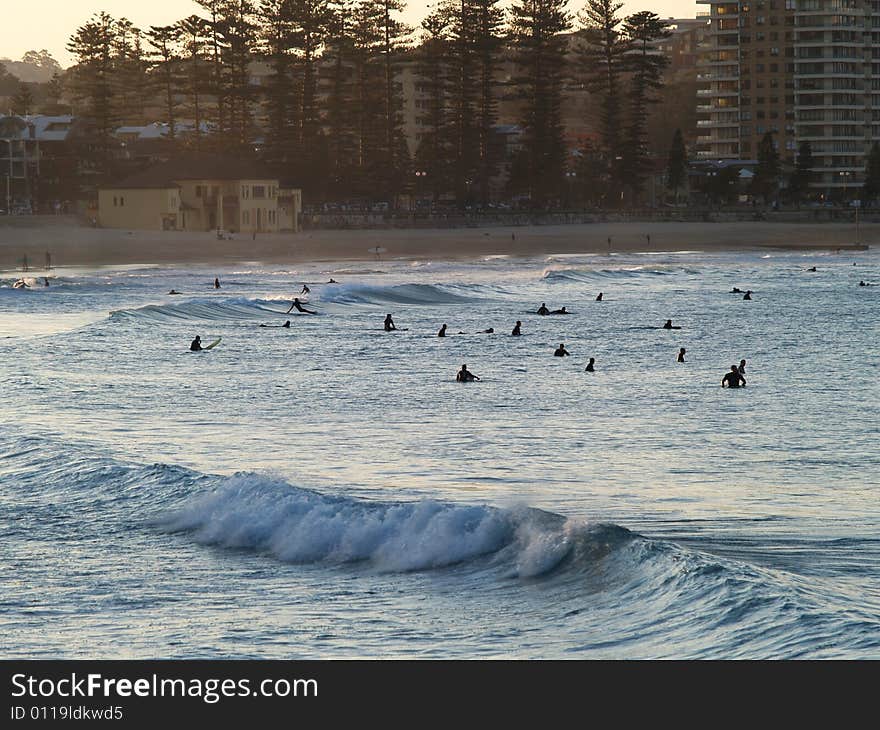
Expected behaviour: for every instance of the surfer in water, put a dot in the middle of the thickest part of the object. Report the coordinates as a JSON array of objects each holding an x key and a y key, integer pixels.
[
  {"x": 681, "y": 353},
  {"x": 196, "y": 344},
  {"x": 389, "y": 323},
  {"x": 516, "y": 329},
  {"x": 748, "y": 295},
  {"x": 561, "y": 351},
  {"x": 742, "y": 367},
  {"x": 464, "y": 375},
  {"x": 599, "y": 298},
  {"x": 543, "y": 308},
  {"x": 669, "y": 325},
  {"x": 736, "y": 290},
  {"x": 286, "y": 324},
  {"x": 733, "y": 379},
  {"x": 332, "y": 281},
  {"x": 560, "y": 311},
  {"x": 297, "y": 305},
  {"x": 174, "y": 291},
  {"x": 442, "y": 332},
  {"x": 305, "y": 289},
  {"x": 216, "y": 282},
  {"x": 590, "y": 368}
]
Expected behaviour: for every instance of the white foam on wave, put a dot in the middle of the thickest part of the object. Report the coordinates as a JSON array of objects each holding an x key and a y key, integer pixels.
[{"x": 295, "y": 525}]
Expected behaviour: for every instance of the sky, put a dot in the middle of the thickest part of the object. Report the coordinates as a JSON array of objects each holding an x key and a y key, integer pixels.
[{"x": 49, "y": 23}]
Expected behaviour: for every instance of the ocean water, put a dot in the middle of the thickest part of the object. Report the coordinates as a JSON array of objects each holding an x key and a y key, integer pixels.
[{"x": 330, "y": 491}]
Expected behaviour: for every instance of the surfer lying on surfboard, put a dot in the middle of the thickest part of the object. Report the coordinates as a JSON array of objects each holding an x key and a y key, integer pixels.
[{"x": 297, "y": 304}]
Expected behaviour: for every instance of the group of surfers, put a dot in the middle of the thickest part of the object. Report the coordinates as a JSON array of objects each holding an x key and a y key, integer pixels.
[{"x": 733, "y": 379}]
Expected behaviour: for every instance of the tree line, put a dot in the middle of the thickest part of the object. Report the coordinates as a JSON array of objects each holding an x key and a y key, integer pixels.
[{"x": 330, "y": 114}]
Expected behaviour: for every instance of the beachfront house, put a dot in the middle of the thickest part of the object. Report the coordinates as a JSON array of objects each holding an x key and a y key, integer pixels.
[{"x": 197, "y": 192}]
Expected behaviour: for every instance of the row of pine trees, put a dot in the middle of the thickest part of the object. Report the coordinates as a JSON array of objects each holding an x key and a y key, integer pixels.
[{"x": 330, "y": 115}]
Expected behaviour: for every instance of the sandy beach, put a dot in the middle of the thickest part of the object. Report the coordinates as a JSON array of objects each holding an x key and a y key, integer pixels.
[{"x": 73, "y": 245}]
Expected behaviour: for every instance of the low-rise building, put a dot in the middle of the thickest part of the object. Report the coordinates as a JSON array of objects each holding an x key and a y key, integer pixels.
[{"x": 194, "y": 192}]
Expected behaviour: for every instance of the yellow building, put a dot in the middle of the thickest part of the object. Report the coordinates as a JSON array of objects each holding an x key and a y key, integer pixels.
[{"x": 201, "y": 193}]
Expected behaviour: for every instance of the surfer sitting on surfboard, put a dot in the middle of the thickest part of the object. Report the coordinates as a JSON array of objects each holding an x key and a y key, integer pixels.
[
  {"x": 297, "y": 304},
  {"x": 669, "y": 325},
  {"x": 389, "y": 323},
  {"x": 464, "y": 375},
  {"x": 196, "y": 344},
  {"x": 733, "y": 379}
]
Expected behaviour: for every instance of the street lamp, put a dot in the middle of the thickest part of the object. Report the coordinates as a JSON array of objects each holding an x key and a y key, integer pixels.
[
  {"x": 420, "y": 177},
  {"x": 569, "y": 179},
  {"x": 9, "y": 181}
]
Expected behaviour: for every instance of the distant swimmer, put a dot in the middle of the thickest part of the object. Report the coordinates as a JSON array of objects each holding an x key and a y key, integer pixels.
[
  {"x": 748, "y": 295},
  {"x": 681, "y": 353},
  {"x": 216, "y": 282},
  {"x": 332, "y": 281},
  {"x": 442, "y": 332},
  {"x": 464, "y": 375},
  {"x": 862, "y": 283},
  {"x": 866, "y": 283},
  {"x": 490, "y": 331},
  {"x": 599, "y": 298},
  {"x": 196, "y": 344},
  {"x": 736, "y": 290},
  {"x": 561, "y": 351},
  {"x": 561, "y": 310},
  {"x": 812, "y": 268},
  {"x": 590, "y": 368},
  {"x": 670, "y": 326},
  {"x": 174, "y": 291},
  {"x": 543, "y": 309},
  {"x": 389, "y": 324},
  {"x": 46, "y": 281},
  {"x": 733, "y": 379},
  {"x": 297, "y": 304},
  {"x": 516, "y": 329},
  {"x": 286, "y": 324},
  {"x": 305, "y": 289},
  {"x": 742, "y": 367}
]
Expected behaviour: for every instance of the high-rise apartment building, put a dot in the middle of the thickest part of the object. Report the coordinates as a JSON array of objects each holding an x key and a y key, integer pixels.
[{"x": 805, "y": 70}]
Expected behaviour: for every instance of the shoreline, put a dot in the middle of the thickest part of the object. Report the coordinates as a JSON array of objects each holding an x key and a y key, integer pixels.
[{"x": 72, "y": 245}]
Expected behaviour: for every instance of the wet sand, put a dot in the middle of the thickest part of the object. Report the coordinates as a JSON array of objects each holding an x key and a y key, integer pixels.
[{"x": 72, "y": 245}]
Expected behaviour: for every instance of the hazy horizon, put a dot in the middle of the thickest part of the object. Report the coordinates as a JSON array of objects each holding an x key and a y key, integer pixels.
[{"x": 59, "y": 18}]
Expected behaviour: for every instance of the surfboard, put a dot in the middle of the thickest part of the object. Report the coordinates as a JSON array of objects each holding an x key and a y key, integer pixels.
[{"x": 213, "y": 344}]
